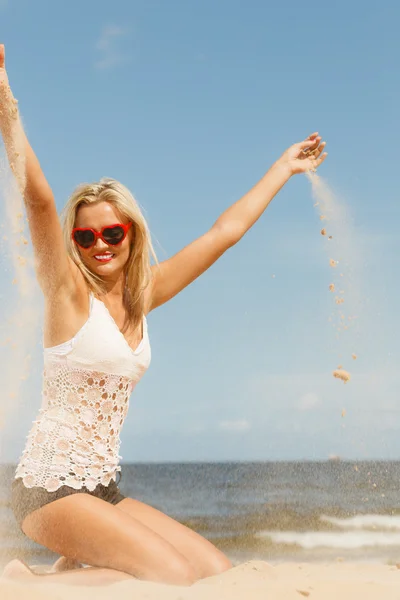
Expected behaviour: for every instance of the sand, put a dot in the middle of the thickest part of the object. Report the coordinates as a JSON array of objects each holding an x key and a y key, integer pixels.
[
  {"x": 339, "y": 222},
  {"x": 22, "y": 316},
  {"x": 341, "y": 374},
  {"x": 254, "y": 580}
]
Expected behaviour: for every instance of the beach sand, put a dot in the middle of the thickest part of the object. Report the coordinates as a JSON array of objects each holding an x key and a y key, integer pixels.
[{"x": 254, "y": 580}]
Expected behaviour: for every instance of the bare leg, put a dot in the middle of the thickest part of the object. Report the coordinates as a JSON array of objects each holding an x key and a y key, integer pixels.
[
  {"x": 93, "y": 532},
  {"x": 17, "y": 570},
  {"x": 205, "y": 558},
  {"x": 61, "y": 565},
  {"x": 65, "y": 564}
]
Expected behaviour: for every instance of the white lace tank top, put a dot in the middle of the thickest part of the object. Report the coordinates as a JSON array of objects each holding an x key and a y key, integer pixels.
[{"x": 87, "y": 382}]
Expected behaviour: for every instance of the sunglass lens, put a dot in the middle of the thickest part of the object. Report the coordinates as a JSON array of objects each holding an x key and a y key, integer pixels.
[
  {"x": 113, "y": 235},
  {"x": 84, "y": 238}
]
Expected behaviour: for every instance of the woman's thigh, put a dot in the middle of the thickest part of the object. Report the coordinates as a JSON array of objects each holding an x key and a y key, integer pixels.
[
  {"x": 97, "y": 533},
  {"x": 202, "y": 554}
]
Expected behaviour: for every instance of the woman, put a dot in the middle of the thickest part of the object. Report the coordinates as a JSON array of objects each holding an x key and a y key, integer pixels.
[{"x": 98, "y": 286}]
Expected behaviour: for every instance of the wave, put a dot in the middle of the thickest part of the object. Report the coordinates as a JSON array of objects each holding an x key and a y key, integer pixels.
[
  {"x": 366, "y": 522},
  {"x": 359, "y": 531},
  {"x": 326, "y": 539}
]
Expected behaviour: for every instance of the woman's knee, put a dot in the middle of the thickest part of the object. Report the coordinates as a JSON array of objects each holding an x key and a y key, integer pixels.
[
  {"x": 179, "y": 571},
  {"x": 219, "y": 563}
]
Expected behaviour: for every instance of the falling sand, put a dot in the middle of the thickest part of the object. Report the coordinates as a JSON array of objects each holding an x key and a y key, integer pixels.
[
  {"x": 339, "y": 234},
  {"x": 20, "y": 312},
  {"x": 21, "y": 300},
  {"x": 341, "y": 374}
]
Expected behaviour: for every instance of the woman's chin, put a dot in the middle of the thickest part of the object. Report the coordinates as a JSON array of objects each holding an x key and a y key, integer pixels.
[{"x": 111, "y": 267}]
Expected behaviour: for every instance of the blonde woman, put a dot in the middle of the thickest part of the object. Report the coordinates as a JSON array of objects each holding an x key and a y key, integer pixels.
[{"x": 99, "y": 286}]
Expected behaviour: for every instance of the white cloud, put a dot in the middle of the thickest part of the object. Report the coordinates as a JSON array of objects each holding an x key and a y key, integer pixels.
[
  {"x": 234, "y": 426},
  {"x": 107, "y": 46},
  {"x": 308, "y": 401}
]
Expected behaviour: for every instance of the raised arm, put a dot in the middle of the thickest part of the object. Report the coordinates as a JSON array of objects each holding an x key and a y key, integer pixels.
[
  {"x": 174, "y": 274},
  {"x": 54, "y": 269}
]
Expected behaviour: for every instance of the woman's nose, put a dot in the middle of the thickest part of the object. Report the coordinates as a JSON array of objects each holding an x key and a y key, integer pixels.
[{"x": 100, "y": 244}]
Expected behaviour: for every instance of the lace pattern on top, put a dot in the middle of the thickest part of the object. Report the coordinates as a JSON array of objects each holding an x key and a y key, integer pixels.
[
  {"x": 87, "y": 382},
  {"x": 75, "y": 441}
]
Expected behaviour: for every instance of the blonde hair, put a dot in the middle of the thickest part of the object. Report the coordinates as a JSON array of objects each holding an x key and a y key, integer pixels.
[{"x": 137, "y": 269}]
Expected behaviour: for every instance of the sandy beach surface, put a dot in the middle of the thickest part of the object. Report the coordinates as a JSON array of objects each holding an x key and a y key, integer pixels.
[{"x": 253, "y": 580}]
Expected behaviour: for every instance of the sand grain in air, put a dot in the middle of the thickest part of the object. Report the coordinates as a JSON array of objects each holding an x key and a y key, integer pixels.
[{"x": 341, "y": 374}]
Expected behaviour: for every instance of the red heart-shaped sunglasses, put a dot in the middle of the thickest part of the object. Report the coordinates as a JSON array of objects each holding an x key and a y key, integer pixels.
[{"x": 86, "y": 237}]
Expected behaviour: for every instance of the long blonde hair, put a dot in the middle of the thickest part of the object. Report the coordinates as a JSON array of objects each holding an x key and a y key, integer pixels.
[{"x": 137, "y": 269}]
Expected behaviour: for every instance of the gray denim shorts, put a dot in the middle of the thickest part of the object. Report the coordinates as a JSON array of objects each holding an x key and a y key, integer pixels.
[{"x": 25, "y": 500}]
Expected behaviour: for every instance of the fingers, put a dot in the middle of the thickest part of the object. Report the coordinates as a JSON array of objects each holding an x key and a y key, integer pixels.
[
  {"x": 320, "y": 160},
  {"x": 318, "y": 151},
  {"x": 2, "y": 56},
  {"x": 305, "y": 144},
  {"x": 314, "y": 138},
  {"x": 310, "y": 144},
  {"x": 314, "y": 153},
  {"x": 310, "y": 153},
  {"x": 316, "y": 162}
]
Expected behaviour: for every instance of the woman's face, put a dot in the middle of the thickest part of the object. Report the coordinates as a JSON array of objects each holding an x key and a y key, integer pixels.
[{"x": 97, "y": 216}]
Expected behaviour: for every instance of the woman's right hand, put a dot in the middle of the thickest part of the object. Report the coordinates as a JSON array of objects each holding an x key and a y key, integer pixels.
[
  {"x": 3, "y": 73},
  {"x": 5, "y": 92},
  {"x": 8, "y": 104}
]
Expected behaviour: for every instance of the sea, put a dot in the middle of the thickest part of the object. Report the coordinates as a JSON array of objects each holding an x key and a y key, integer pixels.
[{"x": 273, "y": 511}]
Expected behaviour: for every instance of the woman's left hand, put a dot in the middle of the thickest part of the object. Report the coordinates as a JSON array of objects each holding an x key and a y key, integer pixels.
[{"x": 304, "y": 156}]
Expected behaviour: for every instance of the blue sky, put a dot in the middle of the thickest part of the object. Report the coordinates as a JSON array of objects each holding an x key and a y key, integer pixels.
[{"x": 188, "y": 104}]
